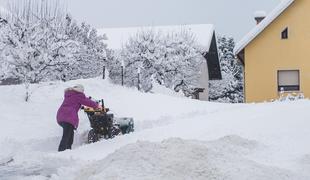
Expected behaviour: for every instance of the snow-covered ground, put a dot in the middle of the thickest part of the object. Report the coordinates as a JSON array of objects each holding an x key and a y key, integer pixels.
[{"x": 175, "y": 138}]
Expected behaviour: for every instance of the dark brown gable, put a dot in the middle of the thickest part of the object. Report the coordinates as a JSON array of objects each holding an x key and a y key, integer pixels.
[{"x": 213, "y": 61}]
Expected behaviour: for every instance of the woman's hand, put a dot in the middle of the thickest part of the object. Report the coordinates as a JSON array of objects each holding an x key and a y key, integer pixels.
[{"x": 99, "y": 106}]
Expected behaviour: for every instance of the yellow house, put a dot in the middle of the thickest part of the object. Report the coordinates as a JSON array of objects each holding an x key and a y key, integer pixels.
[{"x": 276, "y": 53}]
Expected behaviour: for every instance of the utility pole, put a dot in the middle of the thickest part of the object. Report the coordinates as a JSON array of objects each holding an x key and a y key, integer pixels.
[
  {"x": 123, "y": 67},
  {"x": 139, "y": 72},
  {"x": 103, "y": 72}
]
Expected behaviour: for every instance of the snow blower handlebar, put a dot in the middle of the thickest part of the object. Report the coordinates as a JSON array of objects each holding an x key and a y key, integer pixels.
[{"x": 98, "y": 110}]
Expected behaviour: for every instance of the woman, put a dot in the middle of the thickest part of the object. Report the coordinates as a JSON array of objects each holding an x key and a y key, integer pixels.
[{"x": 67, "y": 115}]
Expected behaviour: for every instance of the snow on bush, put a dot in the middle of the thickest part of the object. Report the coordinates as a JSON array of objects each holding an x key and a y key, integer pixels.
[{"x": 290, "y": 96}]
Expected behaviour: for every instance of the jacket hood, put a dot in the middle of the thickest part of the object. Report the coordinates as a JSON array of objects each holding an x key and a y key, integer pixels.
[{"x": 71, "y": 92}]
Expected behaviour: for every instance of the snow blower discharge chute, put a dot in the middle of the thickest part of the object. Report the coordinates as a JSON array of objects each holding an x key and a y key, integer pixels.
[{"x": 104, "y": 125}]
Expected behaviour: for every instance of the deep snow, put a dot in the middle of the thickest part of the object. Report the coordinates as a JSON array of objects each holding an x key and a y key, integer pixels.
[{"x": 175, "y": 138}]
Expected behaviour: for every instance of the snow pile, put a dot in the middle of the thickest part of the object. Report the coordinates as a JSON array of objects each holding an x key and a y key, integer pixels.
[{"x": 178, "y": 159}]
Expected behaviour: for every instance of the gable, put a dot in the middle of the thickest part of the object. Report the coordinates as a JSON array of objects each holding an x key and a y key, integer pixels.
[
  {"x": 213, "y": 62},
  {"x": 275, "y": 45},
  {"x": 273, "y": 50},
  {"x": 258, "y": 29}
]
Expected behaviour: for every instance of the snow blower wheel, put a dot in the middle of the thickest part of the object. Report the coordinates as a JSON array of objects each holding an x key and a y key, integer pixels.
[{"x": 92, "y": 136}]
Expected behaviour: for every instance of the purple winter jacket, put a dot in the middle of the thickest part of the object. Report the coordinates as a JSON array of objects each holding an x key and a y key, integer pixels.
[{"x": 68, "y": 111}]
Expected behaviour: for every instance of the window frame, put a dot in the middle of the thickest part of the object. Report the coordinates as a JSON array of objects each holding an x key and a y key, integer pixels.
[
  {"x": 285, "y": 34},
  {"x": 288, "y": 88}
]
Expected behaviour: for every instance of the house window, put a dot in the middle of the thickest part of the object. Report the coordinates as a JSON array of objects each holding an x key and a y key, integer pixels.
[
  {"x": 284, "y": 34},
  {"x": 288, "y": 80}
]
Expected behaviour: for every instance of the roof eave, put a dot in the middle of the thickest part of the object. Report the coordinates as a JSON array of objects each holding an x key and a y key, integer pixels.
[{"x": 240, "y": 56}]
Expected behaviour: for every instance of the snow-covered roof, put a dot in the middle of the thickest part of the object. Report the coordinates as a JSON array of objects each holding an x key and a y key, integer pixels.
[
  {"x": 262, "y": 25},
  {"x": 117, "y": 37}
]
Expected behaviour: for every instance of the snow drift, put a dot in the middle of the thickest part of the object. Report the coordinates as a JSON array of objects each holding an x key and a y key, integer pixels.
[{"x": 185, "y": 159}]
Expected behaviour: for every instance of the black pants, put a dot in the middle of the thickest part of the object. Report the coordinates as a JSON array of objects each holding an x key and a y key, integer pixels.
[{"x": 67, "y": 136}]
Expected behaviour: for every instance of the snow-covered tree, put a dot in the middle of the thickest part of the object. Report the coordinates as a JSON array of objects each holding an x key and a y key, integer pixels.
[
  {"x": 34, "y": 45},
  {"x": 171, "y": 59},
  {"x": 142, "y": 51},
  {"x": 3, "y": 63},
  {"x": 39, "y": 42},
  {"x": 114, "y": 66},
  {"x": 91, "y": 54},
  {"x": 230, "y": 88},
  {"x": 180, "y": 68}
]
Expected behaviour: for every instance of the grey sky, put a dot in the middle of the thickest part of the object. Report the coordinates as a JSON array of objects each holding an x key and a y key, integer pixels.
[{"x": 231, "y": 17}]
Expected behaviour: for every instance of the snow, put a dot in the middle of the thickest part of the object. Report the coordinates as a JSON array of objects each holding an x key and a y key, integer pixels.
[
  {"x": 175, "y": 158},
  {"x": 260, "y": 14},
  {"x": 117, "y": 37},
  {"x": 175, "y": 137},
  {"x": 159, "y": 89},
  {"x": 262, "y": 25}
]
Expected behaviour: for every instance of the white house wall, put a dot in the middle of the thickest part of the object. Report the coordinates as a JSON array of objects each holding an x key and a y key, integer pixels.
[{"x": 204, "y": 82}]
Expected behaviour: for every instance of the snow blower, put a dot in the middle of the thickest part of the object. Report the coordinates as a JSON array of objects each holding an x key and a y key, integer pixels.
[{"x": 104, "y": 125}]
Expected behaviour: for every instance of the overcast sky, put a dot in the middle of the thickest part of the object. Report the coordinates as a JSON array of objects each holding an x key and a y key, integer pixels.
[{"x": 230, "y": 17}]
